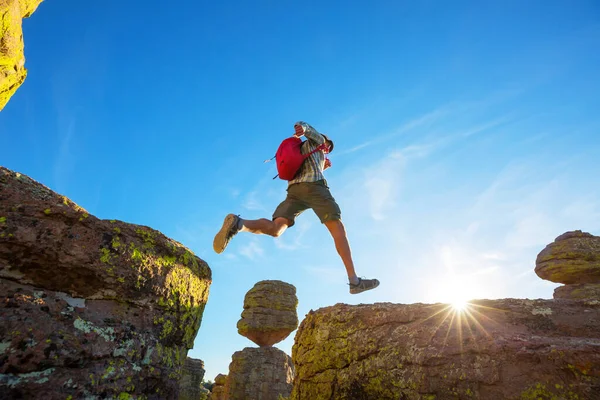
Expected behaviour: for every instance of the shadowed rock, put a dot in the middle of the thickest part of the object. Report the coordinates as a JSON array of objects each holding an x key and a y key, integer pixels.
[
  {"x": 264, "y": 373},
  {"x": 269, "y": 314},
  {"x": 12, "y": 57},
  {"x": 91, "y": 307},
  {"x": 219, "y": 390},
  {"x": 498, "y": 349},
  {"x": 190, "y": 384}
]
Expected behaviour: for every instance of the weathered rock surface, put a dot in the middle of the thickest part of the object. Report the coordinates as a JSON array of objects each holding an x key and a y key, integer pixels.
[
  {"x": 190, "y": 384},
  {"x": 219, "y": 389},
  {"x": 573, "y": 258},
  {"x": 12, "y": 58},
  {"x": 90, "y": 308},
  {"x": 269, "y": 314},
  {"x": 500, "y": 349},
  {"x": 264, "y": 373},
  {"x": 584, "y": 291}
]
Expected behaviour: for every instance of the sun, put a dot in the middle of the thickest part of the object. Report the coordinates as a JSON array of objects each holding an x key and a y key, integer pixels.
[{"x": 459, "y": 305}]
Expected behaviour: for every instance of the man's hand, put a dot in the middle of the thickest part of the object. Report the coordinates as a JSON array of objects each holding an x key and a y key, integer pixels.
[
  {"x": 299, "y": 130},
  {"x": 327, "y": 163}
]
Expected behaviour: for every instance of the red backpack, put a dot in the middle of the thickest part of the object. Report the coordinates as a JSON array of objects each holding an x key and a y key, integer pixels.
[{"x": 289, "y": 157}]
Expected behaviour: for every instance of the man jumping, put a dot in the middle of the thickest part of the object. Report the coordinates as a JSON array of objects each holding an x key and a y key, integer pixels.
[{"x": 308, "y": 189}]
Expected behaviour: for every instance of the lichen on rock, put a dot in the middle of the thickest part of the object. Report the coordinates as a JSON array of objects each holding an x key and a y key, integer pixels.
[
  {"x": 107, "y": 307},
  {"x": 269, "y": 314},
  {"x": 497, "y": 349},
  {"x": 12, "y": 58}
]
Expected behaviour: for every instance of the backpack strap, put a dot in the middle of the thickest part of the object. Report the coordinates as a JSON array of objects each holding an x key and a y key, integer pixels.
[{"x": 320, "y": 147}]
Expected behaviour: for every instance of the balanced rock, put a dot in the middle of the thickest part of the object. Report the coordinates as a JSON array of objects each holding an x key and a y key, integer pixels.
[
  {"x": 269, "y": 314},
  {"x": 12, "y": 58},
  {"x": 264, "y": 373},
  {"x": 496, "y": 349},
  {"x": 573, "y": 258},
  {"x": 190, "y": 384},
  {"x": 218, "y": 391},
  {"x": 90, "y": 308}
]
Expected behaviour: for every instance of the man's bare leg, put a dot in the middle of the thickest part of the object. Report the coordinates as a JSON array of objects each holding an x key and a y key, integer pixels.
[
  {"x": 264, "y": 226},
  {"x": 338, "y": 232}
]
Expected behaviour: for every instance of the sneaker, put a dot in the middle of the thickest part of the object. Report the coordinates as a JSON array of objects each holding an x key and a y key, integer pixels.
[
  {"x": 228, "y": 230},
  {"x": 363, "y": 285}
]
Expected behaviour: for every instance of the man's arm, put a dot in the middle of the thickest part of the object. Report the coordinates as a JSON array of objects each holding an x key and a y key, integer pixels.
[{"x": 302, "y": 128}]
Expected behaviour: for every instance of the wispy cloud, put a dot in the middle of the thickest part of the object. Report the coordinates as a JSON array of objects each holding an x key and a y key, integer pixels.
[
  {"x": 252, "y": 250},
  {"x": 425, "y": 120}
]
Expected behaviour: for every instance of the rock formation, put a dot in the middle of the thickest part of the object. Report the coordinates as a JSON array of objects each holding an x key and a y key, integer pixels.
[
  {"x": 12, "y": 58},
  {"x": 218, "y": 391},
  {"x": 90, "y": 308},
  {"x": 269, "y": 314},
  {"x": 573, "y": 259},
  {"x": 264, "y": 373},
  {"x": 190, "y": 384},
  {"x": 496, "y": 349}
]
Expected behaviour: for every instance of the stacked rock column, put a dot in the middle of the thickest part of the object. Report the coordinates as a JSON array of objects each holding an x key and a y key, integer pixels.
[
  {"x": 269, "y": 316},
  {"x": 574, "y": 260}
]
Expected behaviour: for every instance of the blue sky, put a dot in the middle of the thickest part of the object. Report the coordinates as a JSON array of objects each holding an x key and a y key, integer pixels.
[{"x": 467, "y": 137}]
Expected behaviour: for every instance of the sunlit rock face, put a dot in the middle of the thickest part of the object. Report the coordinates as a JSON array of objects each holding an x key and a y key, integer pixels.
[
  {"x": 269, "y": 314},
  {"x": 190, "y": 384},
  {"x": 264, "y": 373},
  {"x": 218, "y": 391},
  {"x": 573, "y": 259},
  {"x": 496, "y": 349},
  {"x": 90, "y": 308},
  {"x": 12, "y": 58}
]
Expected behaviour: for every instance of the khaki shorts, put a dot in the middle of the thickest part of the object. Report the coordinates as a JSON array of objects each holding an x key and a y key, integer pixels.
[{"x": 304, "y": 195}]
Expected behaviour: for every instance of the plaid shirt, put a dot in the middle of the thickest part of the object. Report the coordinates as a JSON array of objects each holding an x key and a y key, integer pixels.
[{"x": 313, "y": 166}]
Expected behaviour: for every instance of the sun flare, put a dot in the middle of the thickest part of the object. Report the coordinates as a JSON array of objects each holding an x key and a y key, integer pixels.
[{"x": 459, "y": 305}]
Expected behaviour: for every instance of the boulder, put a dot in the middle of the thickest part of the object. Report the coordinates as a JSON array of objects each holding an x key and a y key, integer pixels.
[
  {"x": 218, "y": 391},
  {"x": 90, "y": 308},
  {"x": 12, "y": 57},
  {"x": 269, "y": 314},
  {"x": 496, "y": 349},
  {"x": 264, "y": 373},
  {"x": 190, "y": 384},
  {"x": 573, "y": 258},
  {"x": 583, "y": 291}
]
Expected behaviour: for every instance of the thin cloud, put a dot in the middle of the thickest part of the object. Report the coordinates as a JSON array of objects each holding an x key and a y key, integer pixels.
[{"x": 252, "y": 250}]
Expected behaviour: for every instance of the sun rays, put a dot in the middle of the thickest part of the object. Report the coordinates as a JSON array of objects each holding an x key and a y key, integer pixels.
[{"x": 462, "y": 322}]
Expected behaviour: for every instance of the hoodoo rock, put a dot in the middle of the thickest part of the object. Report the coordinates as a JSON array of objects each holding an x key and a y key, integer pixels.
[
  {"x": 90, "y": 308},
  {"x": 496, "y": 349},
  {"x": 573, "y": 258},
  {"x": 269, "y": 314},
  {"x": 12, "y": 57},
  {"x": 264, "y": 373},
  {"x": 190, "y": 384},
  {"x": 218, "y": 391}
]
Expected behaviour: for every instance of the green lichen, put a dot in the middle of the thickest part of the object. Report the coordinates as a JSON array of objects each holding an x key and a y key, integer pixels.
[
  {"x": 107, "y": 334},
  {"x": 105, "y": 255},
  {"x": 2, "y": 220},
  {"x": 539, "y": 391},
  {"x": 47, "y": 211},
  {"x": 147, "y": 237}
]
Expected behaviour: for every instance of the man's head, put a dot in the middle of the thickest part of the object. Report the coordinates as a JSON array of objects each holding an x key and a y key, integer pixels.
[{"x": 329, "y": 142}]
